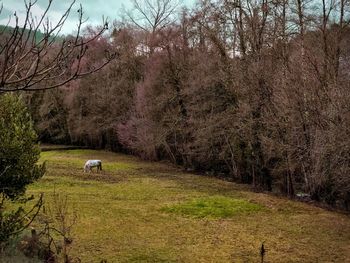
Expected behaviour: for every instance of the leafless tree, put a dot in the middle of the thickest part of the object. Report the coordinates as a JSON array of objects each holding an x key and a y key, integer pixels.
[
  {"x": 33, "y": 52},
  {"x": 152, "y": 15}
]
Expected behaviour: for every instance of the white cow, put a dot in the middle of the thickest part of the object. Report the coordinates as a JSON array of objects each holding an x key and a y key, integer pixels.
[{"x": 93, "y": 163}]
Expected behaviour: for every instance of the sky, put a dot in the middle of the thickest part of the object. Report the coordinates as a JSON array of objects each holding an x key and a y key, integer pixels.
[{"x": 94, "y": 10}]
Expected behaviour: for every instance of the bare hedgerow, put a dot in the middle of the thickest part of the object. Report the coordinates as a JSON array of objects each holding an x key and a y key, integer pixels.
[{"x": 52, "y": 232}]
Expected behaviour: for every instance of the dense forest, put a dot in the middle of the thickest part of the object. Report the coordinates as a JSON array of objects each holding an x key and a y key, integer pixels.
[{"x": 257, "y": 91}]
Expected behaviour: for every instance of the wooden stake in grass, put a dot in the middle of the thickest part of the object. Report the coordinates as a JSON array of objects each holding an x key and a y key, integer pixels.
[{"x": 262, "y": 252}]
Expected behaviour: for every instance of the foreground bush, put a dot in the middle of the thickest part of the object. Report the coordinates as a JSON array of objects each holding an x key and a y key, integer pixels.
[{"x": 19, "y": 154}]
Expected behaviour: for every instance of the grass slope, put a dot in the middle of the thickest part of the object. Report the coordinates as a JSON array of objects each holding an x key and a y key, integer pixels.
[{"x": 139, "y": 211}]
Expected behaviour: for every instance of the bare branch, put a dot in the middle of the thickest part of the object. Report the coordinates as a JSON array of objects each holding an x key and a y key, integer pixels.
[{"x": 27, "y": 60}]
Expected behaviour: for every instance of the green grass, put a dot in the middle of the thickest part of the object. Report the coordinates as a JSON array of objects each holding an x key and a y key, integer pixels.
[
  {"x": 136, "y": 211},
  {"x": 214, "y": 207}
]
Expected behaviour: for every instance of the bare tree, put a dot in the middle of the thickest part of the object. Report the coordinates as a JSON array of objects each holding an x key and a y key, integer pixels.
[
  {"x": 151, "y": 16},
  {"x": 34, "y": 52}
]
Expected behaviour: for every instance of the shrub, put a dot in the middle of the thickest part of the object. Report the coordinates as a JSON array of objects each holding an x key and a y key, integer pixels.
[{"x": 19, "y": 154}]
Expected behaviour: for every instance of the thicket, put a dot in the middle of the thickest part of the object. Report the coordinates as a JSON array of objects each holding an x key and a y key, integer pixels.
[{"x": 255, "y": 90}]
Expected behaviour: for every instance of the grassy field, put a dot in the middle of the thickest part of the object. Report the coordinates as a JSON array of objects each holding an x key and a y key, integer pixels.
[{"x": 137, "y": 211}]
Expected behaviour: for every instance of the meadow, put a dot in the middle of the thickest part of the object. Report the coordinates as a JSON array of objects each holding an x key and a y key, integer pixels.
[{"x": 137, "y": 211}]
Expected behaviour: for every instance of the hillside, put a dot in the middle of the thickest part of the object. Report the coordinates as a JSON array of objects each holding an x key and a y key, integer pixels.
[
  {"x": 38, "y": 34},
  {"x": 137, "y": 211}
]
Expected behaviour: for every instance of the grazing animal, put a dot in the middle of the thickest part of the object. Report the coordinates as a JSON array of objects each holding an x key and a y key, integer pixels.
[{"x": 92, "y": 163}]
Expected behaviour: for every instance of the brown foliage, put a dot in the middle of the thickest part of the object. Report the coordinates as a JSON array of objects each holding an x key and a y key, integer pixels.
[{"x": 258, "y": 91}]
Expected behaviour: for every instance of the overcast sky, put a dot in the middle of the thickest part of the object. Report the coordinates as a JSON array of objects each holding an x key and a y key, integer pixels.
[{"x": 93, "y": 9}]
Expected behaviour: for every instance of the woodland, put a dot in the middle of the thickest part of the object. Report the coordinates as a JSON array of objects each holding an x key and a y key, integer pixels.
[{"x": 257, "y": 92}]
